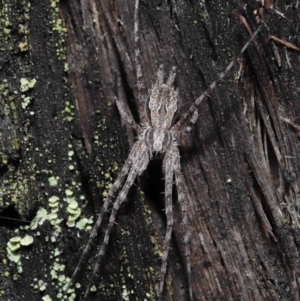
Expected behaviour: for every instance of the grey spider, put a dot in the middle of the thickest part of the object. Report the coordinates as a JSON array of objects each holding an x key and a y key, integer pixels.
[{"x": 157, "y": 134}]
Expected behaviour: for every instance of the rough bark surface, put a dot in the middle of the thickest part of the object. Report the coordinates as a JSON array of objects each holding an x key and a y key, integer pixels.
[{"x": 62, "y": 143}]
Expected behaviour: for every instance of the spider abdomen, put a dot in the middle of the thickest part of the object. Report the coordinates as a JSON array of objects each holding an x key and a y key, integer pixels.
[{"x": 158, "y": 140}]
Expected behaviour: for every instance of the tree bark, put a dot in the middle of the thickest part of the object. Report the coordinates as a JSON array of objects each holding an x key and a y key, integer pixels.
[{"x": 63, "y": 143}]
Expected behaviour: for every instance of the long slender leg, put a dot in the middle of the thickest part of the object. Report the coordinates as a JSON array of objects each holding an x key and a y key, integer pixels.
[
  {"x": 115, "y": 187},
  {"x": 126, "y": 116},
  {"x": 192, "y": 121},
  {"x": 140, "y": 85},
  {"x": 194, "y": 118},
  {"x": 141, "y": 162},
  {"x": 168, "y": 171},
  {"x": 183, "y": 206},
  {"x": 184, "y": 119},
  {"x": 171, "y": 78},
  {"x": 160, "y": 76}
]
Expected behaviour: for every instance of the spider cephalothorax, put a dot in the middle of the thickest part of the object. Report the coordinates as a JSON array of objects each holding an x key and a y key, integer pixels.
[
  {"x": 162, "y": 106},
  {"x": 158, "y": 133}
]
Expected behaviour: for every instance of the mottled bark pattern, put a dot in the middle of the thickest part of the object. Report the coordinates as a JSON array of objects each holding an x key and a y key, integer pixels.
[{"x": 239, "y": 163}]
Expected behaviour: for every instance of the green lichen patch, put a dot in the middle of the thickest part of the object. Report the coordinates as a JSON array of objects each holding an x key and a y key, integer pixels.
[
  {"x": 23, "y": 46},
  {"x": 53, "y": 203},
  {"x": 40, "y": 215},
  {"x": 27, "y": 84},
  {"x": 42, "y": 285},
  {"x": 14, "y": 243},
  {"x": 72, "y": 208},
  {"x": 62, "y": 282},
  {"x": 69, "y": 111},
  {"x": 27, "y": 240},
  {"x": 69, "y": 193},
  {"x": 26, "y": 101},
  {"x": 70, "y": 154},
  {"x": 46, "y": 298},
  {"x": 125, "y": 293},
  {"x": 25, "y": 151},
  {"x": 53, "y": 181},
  {"x": 85, "y": 224},
  {"x": 14, "y": 246},
  {"x": 53, "y": 215}
]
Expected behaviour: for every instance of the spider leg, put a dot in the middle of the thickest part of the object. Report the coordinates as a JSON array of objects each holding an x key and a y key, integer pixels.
[
  {"x": 141, "y": 160},
  {"x": 169, "y": 173},
  {"x": 140, "y": 85},
  {"x": 178, "y": 126},
  {"x": 115, "y": 187},
  {"x": 126, "y": 116},
  {"x": 193, "y": 120},
  {"x": 160, "y": 76},
  {"x": 183, "y": 205},
  {"x": 171, "y": 78},
  {"x": 195, "y": 116},
  {"x": 139, "y": 81}
]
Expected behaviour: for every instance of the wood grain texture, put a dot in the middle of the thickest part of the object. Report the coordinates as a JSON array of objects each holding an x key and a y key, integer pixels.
[{"x": 240, "y": 162}]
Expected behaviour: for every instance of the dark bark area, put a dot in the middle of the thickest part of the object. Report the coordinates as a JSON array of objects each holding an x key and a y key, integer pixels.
[{"x": 61, "y": 64}]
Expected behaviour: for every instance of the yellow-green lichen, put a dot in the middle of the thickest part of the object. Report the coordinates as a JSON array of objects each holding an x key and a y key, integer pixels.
[
  {"x": 85, "y": 224},
  {"x": 72, "y": 208},
  {"x": 46, "y": 298},
  {"x": 66, "y": 67},
  {"x": 41, "y": 214},
  {"x": 42, "y": 285},
  {"x": 68, "y": 112},
  {"x": 53, "y": 203},
  {"x": 59, "y": 28},
  {"x": 27, "y": 84},
  {"x": 70, "y": 154},
  {"x": 125, "y": 293},
  {"x": 23, "y": 46},
  {"x": 53, "y": 181},
  {"x": 19, "y": 186},
  {"x": 27, "y": 240},
  {"x": 13, "y": 248}
]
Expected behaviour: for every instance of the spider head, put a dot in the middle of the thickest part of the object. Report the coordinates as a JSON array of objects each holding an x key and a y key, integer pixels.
[{"x": 163, "y": 101}]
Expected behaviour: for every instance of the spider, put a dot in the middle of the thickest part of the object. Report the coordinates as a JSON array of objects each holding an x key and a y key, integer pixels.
[{"x": 157, "y": 134}]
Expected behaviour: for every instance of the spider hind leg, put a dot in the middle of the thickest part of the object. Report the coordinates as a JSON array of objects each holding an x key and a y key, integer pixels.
[
  {"x": 168, "y": 169},
  {"x": 183, "y": 206},
  {"x": 139, "y": 159}
]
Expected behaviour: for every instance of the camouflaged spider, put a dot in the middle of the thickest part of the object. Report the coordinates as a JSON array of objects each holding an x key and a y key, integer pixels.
[{"x": 158, "y": 133}]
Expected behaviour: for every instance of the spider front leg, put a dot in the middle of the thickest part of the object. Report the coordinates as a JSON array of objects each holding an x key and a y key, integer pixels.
[
  {"x": 126, "y": 116},
  {"x": 138, "y": 68},
  {"x": 168, "y": 165},
  {"x": 139, "y": 158},
  {"x": 193, "y": 120},
  {"x": 181, "y": 123}
]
